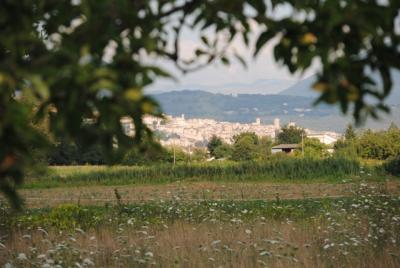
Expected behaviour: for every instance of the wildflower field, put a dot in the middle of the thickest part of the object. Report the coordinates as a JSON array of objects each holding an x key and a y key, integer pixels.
[{"x": 353, "y": 221}]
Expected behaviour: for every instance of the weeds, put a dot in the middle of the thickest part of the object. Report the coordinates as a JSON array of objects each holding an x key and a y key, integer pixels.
[{"x": 359, "y": 231}]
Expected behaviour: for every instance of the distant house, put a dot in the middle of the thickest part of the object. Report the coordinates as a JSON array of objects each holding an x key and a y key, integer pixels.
[
  {"x": 284, "y": 148},
  {"x": 325, "y": 138}
]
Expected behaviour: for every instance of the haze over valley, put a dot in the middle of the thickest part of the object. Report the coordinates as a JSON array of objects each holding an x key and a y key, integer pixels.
[{"x": 285, "y": 100}]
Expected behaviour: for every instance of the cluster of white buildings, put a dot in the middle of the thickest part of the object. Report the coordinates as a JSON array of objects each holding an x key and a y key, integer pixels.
[
  {"x": 190, "y": 133},
  {"x": 197, "y": 132}
]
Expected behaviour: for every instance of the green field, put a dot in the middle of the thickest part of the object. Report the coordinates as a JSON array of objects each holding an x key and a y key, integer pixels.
[
  {"x": 284, "y": 213},
  {"x": 280, "y": 170},
  {"x": 359, "y": 231}
]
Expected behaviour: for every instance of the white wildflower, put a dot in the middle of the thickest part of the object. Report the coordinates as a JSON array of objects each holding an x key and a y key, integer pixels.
[
  {"x": 27, "y": 236},
  {"x": 22, "y": 257},
  {"x": 215, "y": 242},
  {"x": 265, "y": 253},
  {"x": 88, "y": 261},
  {"x": 79, "y": 230},
  {"x": 43, "y": 231}
]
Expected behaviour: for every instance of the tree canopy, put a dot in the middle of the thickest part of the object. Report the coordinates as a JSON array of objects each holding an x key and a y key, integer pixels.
[
  {"x": 313, "y": 148},
  {"x": 350, "y": 133},
  {"x": 245, "y": 146},
  {"x": 290, "y": 135},
  {"x": 86, "y": 62},
  {"x": 213, "y": 144}
]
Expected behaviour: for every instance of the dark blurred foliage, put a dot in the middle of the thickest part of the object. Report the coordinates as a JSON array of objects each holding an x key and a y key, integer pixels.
[{"x": 69, "y": 153}]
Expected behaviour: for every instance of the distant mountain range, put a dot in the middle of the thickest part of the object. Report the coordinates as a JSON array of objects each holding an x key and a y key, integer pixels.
[
  {"x": 241, "y": 107},
  {"x": 263, "y": 86},
  {"x": 291, "y": 104},
  {"x": 304, "y": 89}
]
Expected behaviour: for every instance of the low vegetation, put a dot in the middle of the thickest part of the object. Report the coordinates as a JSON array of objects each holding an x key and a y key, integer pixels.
[
  {"x": 392, "y": 166},
  {"x": 275, "y": 169},
  {"x": 359, "y": 231},
  {"x": 377, "y": 145}
]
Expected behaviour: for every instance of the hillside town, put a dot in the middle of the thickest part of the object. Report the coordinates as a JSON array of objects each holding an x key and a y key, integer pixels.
[{"x": 196, "y": 132}]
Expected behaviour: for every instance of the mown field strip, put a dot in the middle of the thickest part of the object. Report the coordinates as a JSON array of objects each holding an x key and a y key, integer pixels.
[
  {"x": 185, "y": 200},
  {"x": 191, "y": 192}
]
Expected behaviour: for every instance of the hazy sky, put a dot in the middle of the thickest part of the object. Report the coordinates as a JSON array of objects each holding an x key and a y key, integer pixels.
[{"x": 264, "y": 67}]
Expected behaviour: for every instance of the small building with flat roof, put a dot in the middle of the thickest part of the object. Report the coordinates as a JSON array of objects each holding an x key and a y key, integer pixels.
[{"x": 284, "y": 148}]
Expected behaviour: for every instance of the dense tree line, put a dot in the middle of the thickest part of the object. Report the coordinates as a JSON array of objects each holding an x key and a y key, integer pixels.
[
  {"x": 249, "y": 146},
  {"x": 69, "y": 153},
  {"x": 380, "y": 145},
  {"x": 150, "y": 152},
  {"x": 369, "y": 144}
]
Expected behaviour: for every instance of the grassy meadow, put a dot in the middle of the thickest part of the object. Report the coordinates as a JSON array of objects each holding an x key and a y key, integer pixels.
[
  {"x": 358, "y": 231},
  {"x": 288, "y": 213}
]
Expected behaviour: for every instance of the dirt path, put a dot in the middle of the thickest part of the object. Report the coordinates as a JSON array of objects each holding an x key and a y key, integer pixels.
[{"x": 98, "y": 195}]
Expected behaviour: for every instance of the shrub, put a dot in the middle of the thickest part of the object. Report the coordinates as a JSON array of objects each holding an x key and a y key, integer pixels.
[
  {"x": 69, "y": 216},
  {"x": 223, "y": 151},
  {"x": 150, "y": 154},
  {"x": 313, "y": 148},
  {"x": 213, "y": 144},
  {"x": 379, "y": 145},
  {"x": 345, "y": 149},
  {"x": 393, "y": 166},
  {"x": 244, "y": 149}
]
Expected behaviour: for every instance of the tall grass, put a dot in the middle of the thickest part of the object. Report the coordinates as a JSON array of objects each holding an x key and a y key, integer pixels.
[
  {"x": 289, "y": 169},
  {"x": 359, "y": 231}
]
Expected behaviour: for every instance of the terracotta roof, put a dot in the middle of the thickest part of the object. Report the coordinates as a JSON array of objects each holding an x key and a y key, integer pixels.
[{"x": 286, "y": 146}]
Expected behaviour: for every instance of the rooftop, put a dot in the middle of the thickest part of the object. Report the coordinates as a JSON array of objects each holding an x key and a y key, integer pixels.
[{"x": 286, "y": 146}]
